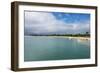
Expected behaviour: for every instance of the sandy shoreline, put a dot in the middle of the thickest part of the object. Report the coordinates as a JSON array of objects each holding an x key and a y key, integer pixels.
[{"x": 70, "y": 37}]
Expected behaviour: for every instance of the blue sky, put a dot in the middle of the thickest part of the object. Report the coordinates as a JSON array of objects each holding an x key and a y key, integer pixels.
[
  {"x": 72, "y": 17},
  {"x": 56, "y": 22}
]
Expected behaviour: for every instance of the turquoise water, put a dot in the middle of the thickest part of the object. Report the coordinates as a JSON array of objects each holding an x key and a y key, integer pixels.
[{"x": 41, "y": 48}]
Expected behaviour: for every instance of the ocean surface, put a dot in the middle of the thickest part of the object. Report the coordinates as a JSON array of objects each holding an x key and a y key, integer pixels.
[{"x": 44, "y": 48}]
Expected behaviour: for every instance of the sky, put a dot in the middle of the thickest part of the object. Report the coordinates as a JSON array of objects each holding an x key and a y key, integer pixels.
[{"x": 55, "y": 23}]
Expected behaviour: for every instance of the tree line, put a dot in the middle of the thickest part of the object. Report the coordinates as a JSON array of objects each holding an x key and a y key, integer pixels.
[{"x": 87, "y": 34}]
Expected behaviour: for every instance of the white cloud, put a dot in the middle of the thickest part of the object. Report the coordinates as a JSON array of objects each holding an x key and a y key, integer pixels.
[{"x": 37, "y": 22}]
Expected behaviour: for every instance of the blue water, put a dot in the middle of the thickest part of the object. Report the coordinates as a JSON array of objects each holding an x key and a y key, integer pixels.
[{"x": 43, "y": 48}]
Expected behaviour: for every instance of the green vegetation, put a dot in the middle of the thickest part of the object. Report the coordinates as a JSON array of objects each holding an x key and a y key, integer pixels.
[{"x": 74, "y": 35}]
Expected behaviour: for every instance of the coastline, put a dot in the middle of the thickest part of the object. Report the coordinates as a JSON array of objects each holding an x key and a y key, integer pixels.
[
  {"x": 72, "y": 37},
  {"x": 69, "y": 37}
]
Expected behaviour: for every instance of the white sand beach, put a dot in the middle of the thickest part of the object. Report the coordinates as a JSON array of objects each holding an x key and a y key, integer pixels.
[{"x": 72, "y": 37}]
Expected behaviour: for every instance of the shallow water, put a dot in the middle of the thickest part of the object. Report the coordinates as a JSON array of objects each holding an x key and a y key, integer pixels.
[{"x": 42, "y": 48}]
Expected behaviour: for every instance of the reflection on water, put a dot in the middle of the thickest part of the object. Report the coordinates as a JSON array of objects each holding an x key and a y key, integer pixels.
[
  {"x": 84, "y": 42},
  {"x": 40, "y": 48}
]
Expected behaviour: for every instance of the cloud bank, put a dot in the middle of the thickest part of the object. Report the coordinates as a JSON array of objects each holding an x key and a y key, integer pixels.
[{"x": 47, "y": 23}]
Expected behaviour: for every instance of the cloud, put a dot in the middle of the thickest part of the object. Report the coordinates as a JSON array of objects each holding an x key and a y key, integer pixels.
[{"x": 43, "y": 22}]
